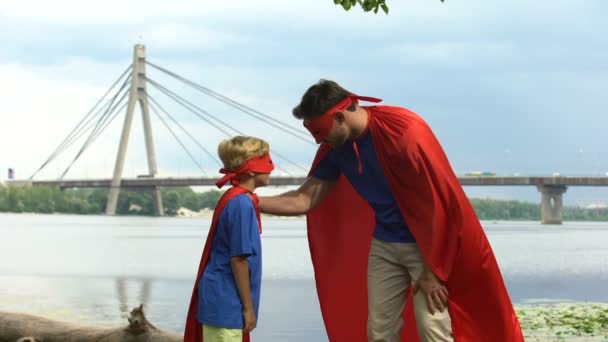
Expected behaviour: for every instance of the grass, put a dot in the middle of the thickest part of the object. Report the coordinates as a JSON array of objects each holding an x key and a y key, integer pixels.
[{"x": 564, "y": 321}]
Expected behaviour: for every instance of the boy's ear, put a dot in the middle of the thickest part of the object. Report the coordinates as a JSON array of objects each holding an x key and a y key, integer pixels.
[{"x": 251, "y": 173}]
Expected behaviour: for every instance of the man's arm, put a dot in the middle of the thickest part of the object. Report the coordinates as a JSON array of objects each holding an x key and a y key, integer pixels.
[
  {"x": 240, "y": 269},
  {"x": 297, "y": 202}
]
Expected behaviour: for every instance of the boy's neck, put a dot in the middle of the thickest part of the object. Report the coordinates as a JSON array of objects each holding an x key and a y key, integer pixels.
[{"x": 248, "y": 184}]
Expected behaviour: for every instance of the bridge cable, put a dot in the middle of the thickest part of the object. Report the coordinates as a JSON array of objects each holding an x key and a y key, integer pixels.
[
  {"x": 188, "y": 105},
  {"x": 214, "y": 158},
  {"x": 101, "y": 125},
  {"x": 244, "y": 108},
  {"x": 116, "y": 113},
  {"x": 109, "y": 116},
  {"x": 177, "y": 138},
  {"x": 80, "y": 126},
  {"x": 95, "y": 135},
  {"x": 270, "y": 120},
  {"x": 191, "y": 137},
  {"x": 177, "y": 98},
  {"x": 91, "y": 124}
]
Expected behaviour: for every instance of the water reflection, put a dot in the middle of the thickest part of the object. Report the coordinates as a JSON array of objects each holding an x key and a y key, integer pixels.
[
  {"x": 81, "y": 269},
  {"x": 122, "y": 294}
]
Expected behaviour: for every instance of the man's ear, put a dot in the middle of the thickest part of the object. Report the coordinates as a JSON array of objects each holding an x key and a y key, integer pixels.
[
  {"x": 340, "y": 117},
  {"x": 251, "y": 173}
]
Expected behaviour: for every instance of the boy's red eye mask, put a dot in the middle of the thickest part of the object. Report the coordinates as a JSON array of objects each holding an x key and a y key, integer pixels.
[
  {"x": 262, "y": 164},
  {"x": 320, "y": 127}
]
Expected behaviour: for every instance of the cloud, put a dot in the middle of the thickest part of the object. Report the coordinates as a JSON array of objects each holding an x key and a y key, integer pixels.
[
  {"x": 518, "y": 75},
  {"x": 175, "y": 36},
  {"x": 115, "y": 11},
  {"x": 44, "y": 103}
]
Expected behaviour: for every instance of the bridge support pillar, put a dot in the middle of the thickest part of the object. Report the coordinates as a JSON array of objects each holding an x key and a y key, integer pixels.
[
  {"x": 137, "y": 94},
  {"x": 157, "y": 201},
  {"x": 551, "y": 205}
]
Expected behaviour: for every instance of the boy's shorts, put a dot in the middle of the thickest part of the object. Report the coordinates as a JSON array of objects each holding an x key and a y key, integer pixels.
[{"x": 212, "y": 333}]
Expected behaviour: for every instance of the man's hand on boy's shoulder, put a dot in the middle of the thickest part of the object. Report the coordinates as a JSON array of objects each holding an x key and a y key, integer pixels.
[{"x": 250, "y": 320}]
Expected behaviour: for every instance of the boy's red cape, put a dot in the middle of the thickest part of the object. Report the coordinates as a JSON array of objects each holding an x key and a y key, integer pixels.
[
  {"x": 439, "y": 216},
  {"x": 194, "y": 331}
]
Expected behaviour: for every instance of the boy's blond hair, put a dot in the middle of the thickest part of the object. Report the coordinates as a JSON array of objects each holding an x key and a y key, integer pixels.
[{"x": 234, "y": 152}]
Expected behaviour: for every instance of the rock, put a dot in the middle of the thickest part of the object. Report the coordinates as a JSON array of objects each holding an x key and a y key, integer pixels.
[{"x": 17, "y": 327}]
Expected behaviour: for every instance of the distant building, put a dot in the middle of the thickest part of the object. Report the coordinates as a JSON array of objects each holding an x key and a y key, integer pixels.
[
  {"x": 185, "y": 212},
  {"x": 135, "y": 207},
  {"x": 592, "y": 204},
  {"x": 480, "y": 174}
]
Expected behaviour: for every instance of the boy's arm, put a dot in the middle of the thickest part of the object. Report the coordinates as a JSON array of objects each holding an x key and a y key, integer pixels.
[
  {"x": 297, "y": 202},
  {"x": 240, "y": 269}
]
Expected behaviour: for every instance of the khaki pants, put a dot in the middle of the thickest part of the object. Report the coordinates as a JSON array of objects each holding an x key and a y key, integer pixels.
[
  {"x": 392, "y": 268},
  {"x": 216, "y": 334}
]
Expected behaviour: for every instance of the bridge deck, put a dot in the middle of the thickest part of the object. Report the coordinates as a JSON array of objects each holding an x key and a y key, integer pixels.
[{"x": 282, "y": 181}]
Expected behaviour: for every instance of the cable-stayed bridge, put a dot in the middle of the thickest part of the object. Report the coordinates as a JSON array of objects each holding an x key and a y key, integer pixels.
[{"x": 131, "y": 90}]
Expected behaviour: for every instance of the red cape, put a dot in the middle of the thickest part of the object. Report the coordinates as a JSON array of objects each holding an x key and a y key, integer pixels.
[
  {"x": 193, "y": 331},
  {"x": 440, "y": 217}
]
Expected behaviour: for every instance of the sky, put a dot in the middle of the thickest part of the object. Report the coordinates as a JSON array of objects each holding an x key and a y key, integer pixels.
[{"x": 513, "y": 87}]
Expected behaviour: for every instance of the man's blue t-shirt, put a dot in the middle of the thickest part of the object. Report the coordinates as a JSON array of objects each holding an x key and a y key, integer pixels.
[
  {"x": 237, "y": 234},
  {"x": 371, "y": 184}
]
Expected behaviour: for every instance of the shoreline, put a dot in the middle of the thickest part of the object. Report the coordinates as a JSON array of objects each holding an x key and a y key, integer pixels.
[
  {"x": 208, "y": 214},
  {"x": 540, "y": 322},
  {"x": 564, "y": 321}
]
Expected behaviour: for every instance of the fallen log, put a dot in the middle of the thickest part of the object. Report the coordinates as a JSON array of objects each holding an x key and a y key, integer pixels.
[{"x": 17, "y": 327}]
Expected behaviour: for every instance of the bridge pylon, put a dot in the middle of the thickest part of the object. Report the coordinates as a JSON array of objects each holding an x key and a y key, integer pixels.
[
  {"x": 551, "y": 204},
  {"x": 137, "y": 95}
]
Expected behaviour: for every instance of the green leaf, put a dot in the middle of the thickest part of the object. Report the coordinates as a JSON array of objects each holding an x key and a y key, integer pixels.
[{"x": 366, "y": 5}]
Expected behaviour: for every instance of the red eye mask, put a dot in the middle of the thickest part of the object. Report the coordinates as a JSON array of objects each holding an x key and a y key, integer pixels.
[
  {"x": 262, "y": 164},
  {"x": 321, "y": 126}
]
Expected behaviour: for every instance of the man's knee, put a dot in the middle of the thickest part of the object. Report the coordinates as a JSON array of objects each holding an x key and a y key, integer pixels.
[
  {"x": 383, "y": 332},
  {"x": 434, "y": 327},
  {"x": 382, "y": 324}
]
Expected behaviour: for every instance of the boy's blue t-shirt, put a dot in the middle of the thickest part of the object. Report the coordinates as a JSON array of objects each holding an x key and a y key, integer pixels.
[
  {"x": 237, "y": 234},
  {"x": 371, "y": 184}
]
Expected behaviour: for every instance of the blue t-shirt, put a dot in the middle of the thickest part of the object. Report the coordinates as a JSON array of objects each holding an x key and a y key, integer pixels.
[
  {"x": 371, "y": 184},
  {"x": 237, "y": 234}
]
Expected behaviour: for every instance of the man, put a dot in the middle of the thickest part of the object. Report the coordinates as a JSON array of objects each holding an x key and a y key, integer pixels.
[{"x": 386, "y": 213}]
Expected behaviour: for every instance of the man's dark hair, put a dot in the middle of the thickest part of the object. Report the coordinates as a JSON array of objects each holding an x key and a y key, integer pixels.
[{"x": 319, "y": 98}]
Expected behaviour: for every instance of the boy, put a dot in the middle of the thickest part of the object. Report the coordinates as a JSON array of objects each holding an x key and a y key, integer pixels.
[{"x": 225, "y": 300}]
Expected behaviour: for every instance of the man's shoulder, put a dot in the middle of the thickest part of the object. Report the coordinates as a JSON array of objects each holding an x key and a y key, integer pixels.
[
  {"x": 398, "y": 119},
  {"x": 397, "y": 110}
]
